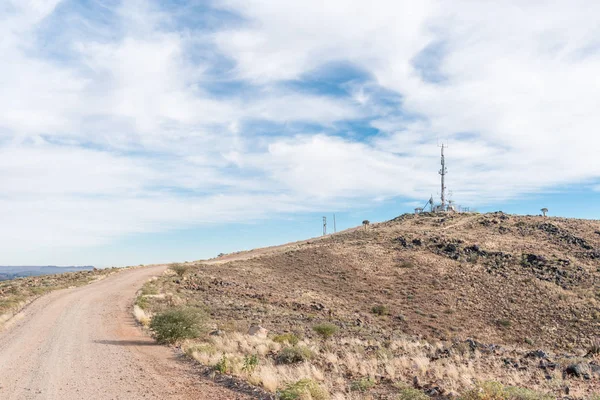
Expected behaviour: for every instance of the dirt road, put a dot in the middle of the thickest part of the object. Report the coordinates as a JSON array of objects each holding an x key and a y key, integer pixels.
[{"x": 84, "y": 344}]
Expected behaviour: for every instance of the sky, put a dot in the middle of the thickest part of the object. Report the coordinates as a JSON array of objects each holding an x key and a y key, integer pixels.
[{"x": 145, "y": 131}]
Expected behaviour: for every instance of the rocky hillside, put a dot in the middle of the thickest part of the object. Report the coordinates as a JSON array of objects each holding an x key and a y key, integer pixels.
[
  {"x": 495, "y": 278},
  {"x": 481, "y": 297}
]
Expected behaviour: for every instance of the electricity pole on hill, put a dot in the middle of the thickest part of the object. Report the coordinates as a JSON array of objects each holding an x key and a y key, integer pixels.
[{"x": 324, "y": 226}]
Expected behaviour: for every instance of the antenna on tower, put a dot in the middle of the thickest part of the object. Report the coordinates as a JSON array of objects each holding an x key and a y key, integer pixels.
[
  {"x": 334, "y": 227},
  {"x": 443, "y": 172},
  {"x": 324, "y": 226}
]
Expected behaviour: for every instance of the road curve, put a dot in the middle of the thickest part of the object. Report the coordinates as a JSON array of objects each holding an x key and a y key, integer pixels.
[{"x": 83, "y": 343}]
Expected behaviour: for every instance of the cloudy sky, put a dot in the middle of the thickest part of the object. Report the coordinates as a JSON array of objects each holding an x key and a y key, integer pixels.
[{"x": 144, "y": 131}]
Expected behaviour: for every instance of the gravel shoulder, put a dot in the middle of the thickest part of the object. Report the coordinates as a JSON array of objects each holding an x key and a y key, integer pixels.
[{"x": 84, "y": 343}]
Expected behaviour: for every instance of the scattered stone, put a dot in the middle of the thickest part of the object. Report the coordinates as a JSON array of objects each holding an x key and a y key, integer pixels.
[
  {"x": 537, "y": 354},
  {"x": 510, "y": 362},
  {"x": 258, "y": 331},
  {"x": 416, "y": 383},
  {"x": 401, "y": 241}
]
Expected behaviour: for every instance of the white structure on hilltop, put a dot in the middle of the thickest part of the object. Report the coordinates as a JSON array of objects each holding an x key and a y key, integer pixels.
[{"x": 446, "y": 205}]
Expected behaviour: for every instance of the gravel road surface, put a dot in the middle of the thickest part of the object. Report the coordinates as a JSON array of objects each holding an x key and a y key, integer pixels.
[{"x": 83, "y": 343}]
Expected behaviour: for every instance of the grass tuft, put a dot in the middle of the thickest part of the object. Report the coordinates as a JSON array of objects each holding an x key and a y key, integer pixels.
[
  {"x": 380, "y": 310},
  {"x": 294, "y": 354},
  {"x": 304, "y": 389},
  {"x": 288, "y": 338},
  {"x": 325, "y": 330}
]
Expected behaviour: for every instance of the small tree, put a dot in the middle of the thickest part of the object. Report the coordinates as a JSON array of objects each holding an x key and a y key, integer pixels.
[
  {"x": 366, "y": 224},
  {"x": 544, "y": 211}
]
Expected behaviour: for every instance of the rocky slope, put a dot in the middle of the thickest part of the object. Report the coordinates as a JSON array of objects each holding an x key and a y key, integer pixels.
[{"x": 436, "y": 302}]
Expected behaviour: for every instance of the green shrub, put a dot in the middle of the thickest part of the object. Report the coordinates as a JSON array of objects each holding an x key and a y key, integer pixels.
[
  {"x": 180, "y": 269},
  {"x": 496, "y": 391},
  {"x": 294, "y": 354},
  {"x": 223, "y": 366},
  {"x": 485, "y": 391},
  {"x": 406, "y": 264},
  {"x": 149, "y": 288},
  {"x": 177, "y": 324},
  {"x": 518, "y": 393},
  {"x": 289, "y": 338},
  {"x": 362, "y": 385},
  {"x": 380, "y": 310},
  {"x": 325, "y": 330},
  {"x": 411, "y": 394},
  {"x": 504, "y": 323},
  {"x": 304, "y": 389},
  {"x": 250, "y": 363},
  {"x": 142, "y": 302}
]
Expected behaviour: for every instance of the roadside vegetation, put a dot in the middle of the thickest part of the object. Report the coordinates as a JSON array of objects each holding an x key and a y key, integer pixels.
[
  {"x": 344, "y": 318},
  {"x": 17, "y": 293}
]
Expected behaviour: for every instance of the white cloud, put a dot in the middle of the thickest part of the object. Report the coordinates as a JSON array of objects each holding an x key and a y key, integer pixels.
[
  {"x": 148, "y": 124},
  {"x": 521, "y": 77}
]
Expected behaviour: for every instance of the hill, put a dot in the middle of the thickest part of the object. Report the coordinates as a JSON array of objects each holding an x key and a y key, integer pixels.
[
  {"x": 17, "y": 293},
  {"x": 436, "y": 302},
  {"x": 12, "y": 272}
]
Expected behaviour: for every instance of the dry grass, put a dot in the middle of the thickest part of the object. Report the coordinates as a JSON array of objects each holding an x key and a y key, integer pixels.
[
  {"x": 141, "y": 316},
  {"x": 467, "y": 278},
  {"x": 17, "y": 293}
]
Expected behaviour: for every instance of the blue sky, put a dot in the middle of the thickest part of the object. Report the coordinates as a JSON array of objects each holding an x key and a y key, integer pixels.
[{"x": 143, "y": 131}]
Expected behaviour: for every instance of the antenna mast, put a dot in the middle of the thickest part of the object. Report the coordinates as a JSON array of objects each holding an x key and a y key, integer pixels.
[
  {"x": 324, "y": 226},
  {"x": 443, "y": 173}
]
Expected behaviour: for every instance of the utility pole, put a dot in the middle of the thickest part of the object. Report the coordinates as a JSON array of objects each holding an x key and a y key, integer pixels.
[
  {"x": 443, "y": 173},
  {"x": 334, "y": 227},
  {"x": 324, "y": 226}
]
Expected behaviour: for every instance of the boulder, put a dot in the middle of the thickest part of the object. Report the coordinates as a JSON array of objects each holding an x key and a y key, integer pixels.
[
  {"x": 579, "y": 370},
  {"x": 259, "y": 331}
]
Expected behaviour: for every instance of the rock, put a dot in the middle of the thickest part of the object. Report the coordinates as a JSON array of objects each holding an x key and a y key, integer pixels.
[
  {"x": 402, "y": 241},
  {"x": 579, "y": 370},
  {"x": 259, "y": 331},
  {"x": 510, "y": 362},
  {"x": 548, "y": 227},
  {"x": 537, "y": 354},
  {"x": 416, "y": 382},
  {"x": 216, "y": 332}
]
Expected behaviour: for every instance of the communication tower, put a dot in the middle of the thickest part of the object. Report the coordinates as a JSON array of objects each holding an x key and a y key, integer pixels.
[{"x": 443, "y": 173}]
